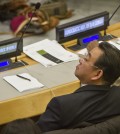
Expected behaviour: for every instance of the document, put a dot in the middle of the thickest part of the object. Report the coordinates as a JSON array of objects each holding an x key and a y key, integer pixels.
[
  {"x": 115, "y": 42},
  {"x": 49, "y": 53},
  {"x": 23, "y": 82}
]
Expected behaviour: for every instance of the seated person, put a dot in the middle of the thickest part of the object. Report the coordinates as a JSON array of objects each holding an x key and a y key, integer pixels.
[
  {"x": 96, "y": 100},
  {"x": 21, "y": 126},
  {"x": 27, "y": 126}
]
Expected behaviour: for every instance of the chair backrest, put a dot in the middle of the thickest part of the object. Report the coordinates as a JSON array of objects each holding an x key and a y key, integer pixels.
[{"x": 111, "y": 126}]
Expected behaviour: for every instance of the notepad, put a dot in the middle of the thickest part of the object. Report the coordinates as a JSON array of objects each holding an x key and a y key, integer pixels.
[{"x": 23, "y": 84}]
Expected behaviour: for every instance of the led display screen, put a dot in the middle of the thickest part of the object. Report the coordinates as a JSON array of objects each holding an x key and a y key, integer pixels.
[
  {"x": 4, "y": 64},
  {"x": 8, "y": 48},
  {"x": 91, "y": 38},
  {"x": 11, "y": 48},
  {"x": 84, "y": 27}
]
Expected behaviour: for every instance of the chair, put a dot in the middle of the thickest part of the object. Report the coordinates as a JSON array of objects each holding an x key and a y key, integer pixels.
[{"x": 110, "y": 126}]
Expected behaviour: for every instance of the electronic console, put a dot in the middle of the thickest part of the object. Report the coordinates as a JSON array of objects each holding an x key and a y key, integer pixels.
[
  {"x": 84, "y": 30},
  {"x": 8, "y": 49}
]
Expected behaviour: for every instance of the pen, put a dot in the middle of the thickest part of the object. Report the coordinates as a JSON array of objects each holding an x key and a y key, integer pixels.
[{"x": 22, "y": 77}]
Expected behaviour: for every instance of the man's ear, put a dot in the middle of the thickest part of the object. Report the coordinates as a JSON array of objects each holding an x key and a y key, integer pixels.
[{"x": 98, "y": 75}]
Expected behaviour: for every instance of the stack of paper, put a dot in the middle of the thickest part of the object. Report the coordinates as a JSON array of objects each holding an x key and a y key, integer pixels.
[
  {"x": 115, "y": 42},
  {"x": 49, "y": 53},
  {"x": 24, "y": 82}
]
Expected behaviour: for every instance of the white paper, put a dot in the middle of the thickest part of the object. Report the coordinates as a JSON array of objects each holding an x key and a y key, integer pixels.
[
  {"x": 115, "y": 42},
  {"x": 52, "y": 48},
  {"x": 22, "y": 84}
]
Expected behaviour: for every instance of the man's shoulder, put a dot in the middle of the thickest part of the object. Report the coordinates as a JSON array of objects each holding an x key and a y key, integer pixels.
[
  {"x": 77, "y": 95},
  {"x": 86, "y": 91}
]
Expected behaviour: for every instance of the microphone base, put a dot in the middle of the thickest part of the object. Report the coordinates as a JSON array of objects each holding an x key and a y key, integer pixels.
[{"x": 108, "y": 37}]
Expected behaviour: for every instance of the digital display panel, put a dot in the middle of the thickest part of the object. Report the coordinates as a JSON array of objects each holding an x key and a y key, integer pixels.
[
  {"x": 4, "y": 64},
  {"x": 86, "y": 40},
  {"x": 8, "y": 48},
  {"x": 11, "y": 48},
  {"x": 84, "y": 27}
]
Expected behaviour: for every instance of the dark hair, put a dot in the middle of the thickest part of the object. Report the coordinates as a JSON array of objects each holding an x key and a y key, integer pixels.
[
  {"x": 21, "y": 126},
  {"x": 109, "y": 62}
]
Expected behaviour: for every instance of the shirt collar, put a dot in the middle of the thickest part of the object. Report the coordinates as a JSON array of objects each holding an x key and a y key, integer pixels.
[{"x": 93, "y": 88}]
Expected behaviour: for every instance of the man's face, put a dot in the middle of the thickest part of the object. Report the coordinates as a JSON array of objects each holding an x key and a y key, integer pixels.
[{"x": 86, "y": 70}]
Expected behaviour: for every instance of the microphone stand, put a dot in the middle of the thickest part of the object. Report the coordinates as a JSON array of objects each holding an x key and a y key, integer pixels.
[
  {"x": 111, "y": 17},
  {"x": 37, "y": 6}
]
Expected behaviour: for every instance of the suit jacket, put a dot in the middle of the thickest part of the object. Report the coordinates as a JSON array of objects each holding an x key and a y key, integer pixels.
[{"x": 88, "y": 105}]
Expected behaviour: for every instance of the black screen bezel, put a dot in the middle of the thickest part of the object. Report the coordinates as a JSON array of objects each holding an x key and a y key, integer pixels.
[
  {"x": 18, "y": 51},
  {"x": 60, "y": 29}
]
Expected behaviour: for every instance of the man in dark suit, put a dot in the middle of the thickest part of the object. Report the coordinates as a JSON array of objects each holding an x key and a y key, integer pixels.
[{"x": 94, "y": 102}]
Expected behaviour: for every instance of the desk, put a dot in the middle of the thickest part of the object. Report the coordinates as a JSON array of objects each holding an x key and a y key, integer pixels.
[{"x": 58, "y": 79}]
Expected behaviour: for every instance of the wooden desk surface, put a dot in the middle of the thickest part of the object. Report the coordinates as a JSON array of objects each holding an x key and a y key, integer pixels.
[
  {"x": 34, "y": 103},
  {"x": 14, "y": 105}
]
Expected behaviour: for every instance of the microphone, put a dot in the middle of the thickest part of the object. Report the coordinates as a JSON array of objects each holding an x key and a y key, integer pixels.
[
  {"x": 114, "y": 12},
  {"x": 37, "y": 6},
  {"x": 111, "y": 17}
]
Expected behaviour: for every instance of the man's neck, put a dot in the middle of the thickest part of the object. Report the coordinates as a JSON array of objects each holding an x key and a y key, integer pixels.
[{"x": 94, "y": 83}]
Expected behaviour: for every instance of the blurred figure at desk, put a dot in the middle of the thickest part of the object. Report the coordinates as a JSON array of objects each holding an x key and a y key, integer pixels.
[{"x": 92, "y": 103}]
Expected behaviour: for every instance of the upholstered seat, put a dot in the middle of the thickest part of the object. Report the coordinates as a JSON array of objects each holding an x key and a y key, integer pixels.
[{"x": 111, "y": 126}]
